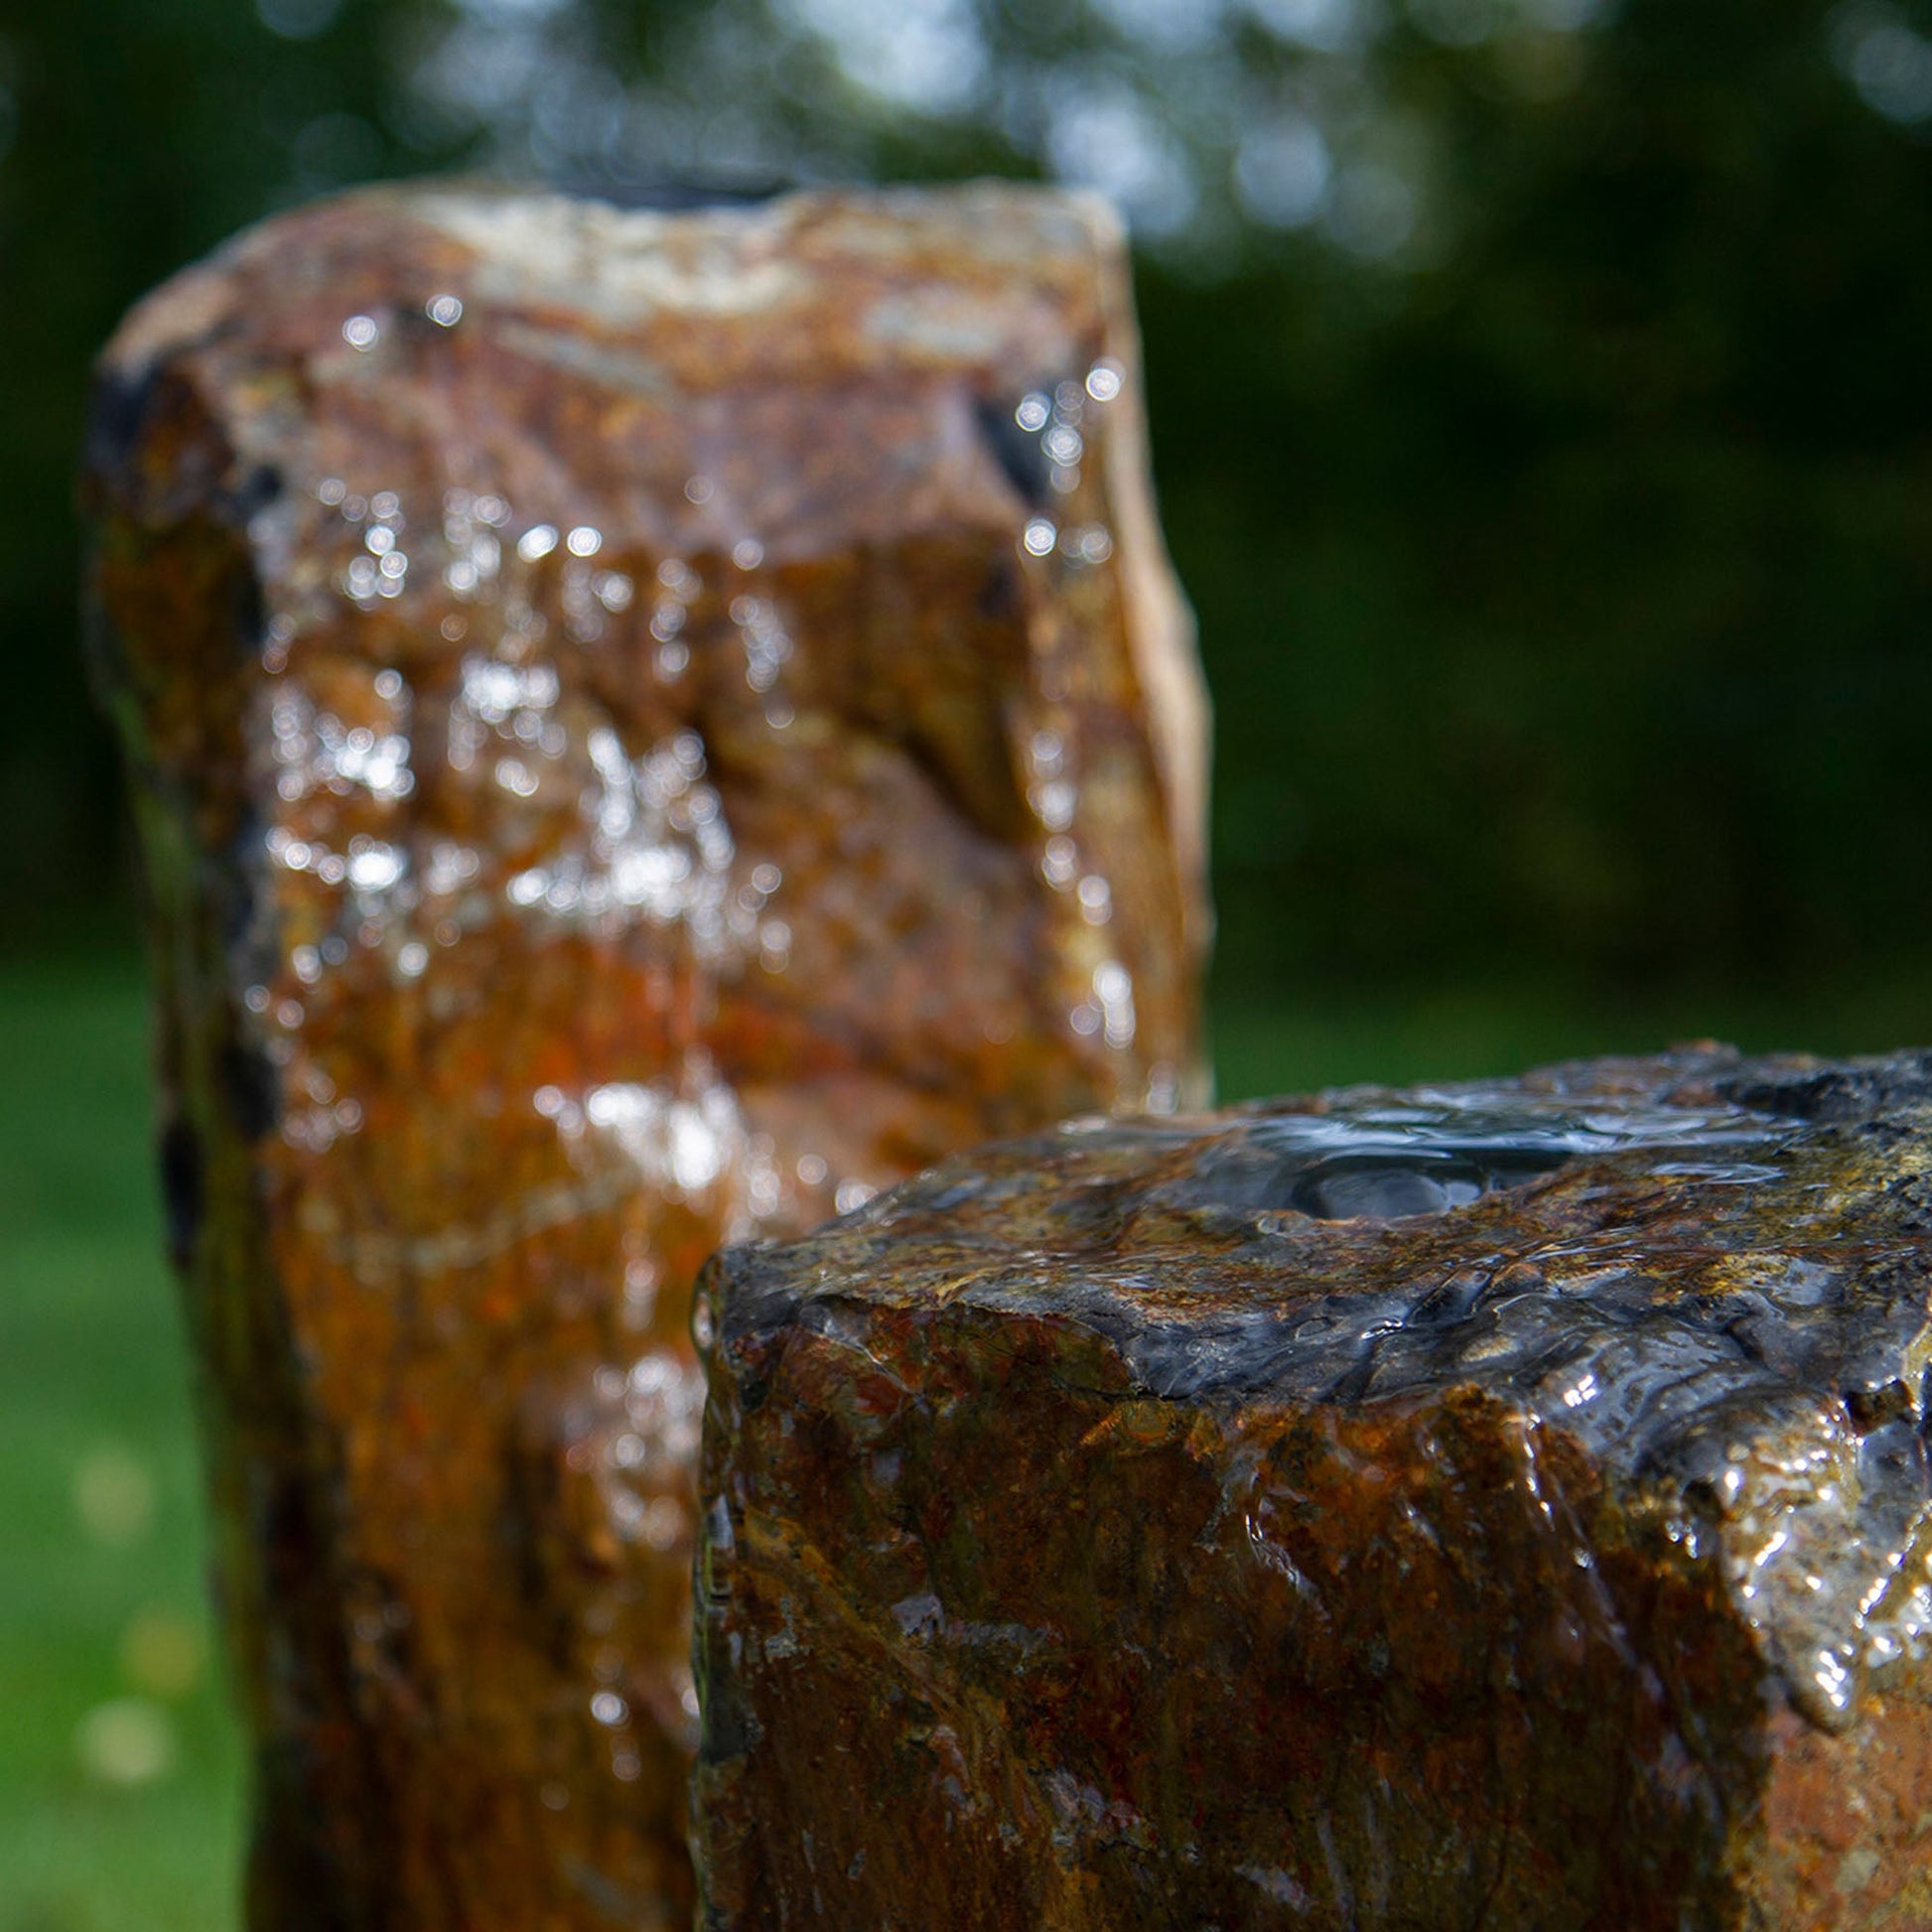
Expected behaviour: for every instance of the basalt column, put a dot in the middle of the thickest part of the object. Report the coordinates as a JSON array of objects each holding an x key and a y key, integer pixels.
[
  {"x": 644, "y": 729},
  {"x": 1495, "y": 1506}
]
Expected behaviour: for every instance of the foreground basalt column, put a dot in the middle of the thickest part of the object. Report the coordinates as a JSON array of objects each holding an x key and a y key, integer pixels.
[
  {"x": 644, "y": 728},
  {"x": 1495, "y": 1506}
]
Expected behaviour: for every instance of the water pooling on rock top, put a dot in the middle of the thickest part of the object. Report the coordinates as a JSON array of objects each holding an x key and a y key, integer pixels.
[
  {"x": 1387, "y": 1162},
  {"x": 647, "y": 727},
  {"x": 1501, "y": 1504}
]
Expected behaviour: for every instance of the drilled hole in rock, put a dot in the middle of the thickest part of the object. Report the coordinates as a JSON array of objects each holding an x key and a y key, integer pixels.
[
  {"x": 1391, "y": 1182},
  {"x": 1393, "y": 1186}
]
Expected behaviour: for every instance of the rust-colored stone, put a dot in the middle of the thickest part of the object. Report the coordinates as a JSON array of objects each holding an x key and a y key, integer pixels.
[
  {"x": 643, "y": 725},
  {"x": 1502, "y": 1506}
]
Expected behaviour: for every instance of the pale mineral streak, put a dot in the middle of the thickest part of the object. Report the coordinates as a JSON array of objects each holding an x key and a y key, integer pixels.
[
  {"x": 644, "y": 728},
  {"x": 1500, "y": 1506}
]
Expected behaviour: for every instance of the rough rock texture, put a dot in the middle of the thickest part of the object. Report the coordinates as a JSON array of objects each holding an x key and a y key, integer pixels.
[
  {"x": 1496, "y": 1506},
  {"x": 643, "y": 727}
]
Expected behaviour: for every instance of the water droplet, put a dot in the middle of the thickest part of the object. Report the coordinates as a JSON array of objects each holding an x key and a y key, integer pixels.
[{"x": 1104, "y": 380}]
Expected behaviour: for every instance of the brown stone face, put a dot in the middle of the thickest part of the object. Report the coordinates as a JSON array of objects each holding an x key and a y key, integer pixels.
[
  {"x": 644, "y": 728},
  {"x": 1500, "y": 1506}
]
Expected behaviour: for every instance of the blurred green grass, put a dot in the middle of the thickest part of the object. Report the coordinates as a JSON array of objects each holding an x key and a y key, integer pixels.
[
  {"x": 119, "y": 1806},
  {"x": 119, "y": 1795}
]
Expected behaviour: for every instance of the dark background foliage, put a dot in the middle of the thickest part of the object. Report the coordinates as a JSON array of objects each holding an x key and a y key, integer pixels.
[{"x": 1561, "y": 558}]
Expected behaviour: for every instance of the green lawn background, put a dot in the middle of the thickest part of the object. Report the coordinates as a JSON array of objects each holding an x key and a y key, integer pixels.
[{"x": 119, "y": 1802}]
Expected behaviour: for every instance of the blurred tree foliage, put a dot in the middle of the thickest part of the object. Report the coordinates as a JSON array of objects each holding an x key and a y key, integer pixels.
[
  {"x": 1538, "y": 401},
  {"x": 130, "y": 142}
]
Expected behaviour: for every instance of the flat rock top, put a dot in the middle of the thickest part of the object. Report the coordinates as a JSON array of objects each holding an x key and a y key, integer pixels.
[
  {"x": 995, "y": 265},
  {"x": 1712, "y": 1271}
]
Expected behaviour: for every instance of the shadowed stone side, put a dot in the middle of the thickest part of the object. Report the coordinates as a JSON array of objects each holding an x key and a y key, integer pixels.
[
  {"x": 644, "y": 728},
  {"x": 1498, "y": 1506}
]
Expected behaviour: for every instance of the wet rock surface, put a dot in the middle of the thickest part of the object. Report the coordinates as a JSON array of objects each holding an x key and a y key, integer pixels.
[
  {"x": 645, "y": 728},
  {"x": 1500, "y": 1506}
]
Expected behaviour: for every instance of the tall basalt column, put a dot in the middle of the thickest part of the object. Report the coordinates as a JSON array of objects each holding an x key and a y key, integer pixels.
[{"x": 644, "y": 729}]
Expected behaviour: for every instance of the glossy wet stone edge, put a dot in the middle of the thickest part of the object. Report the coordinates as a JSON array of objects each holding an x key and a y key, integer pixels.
[{"x": 1485, "y": 1424}]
